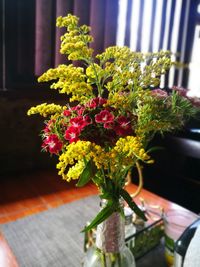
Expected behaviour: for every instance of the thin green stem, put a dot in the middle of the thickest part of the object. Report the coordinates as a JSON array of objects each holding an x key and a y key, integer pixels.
[
  {"x": 119, "y": 260},
  {"x": 90, "y": 61},
  {"x": 97, "y": 80},
  {"x": 103, "y": 260},
  {"x": 113, "y": 259}
]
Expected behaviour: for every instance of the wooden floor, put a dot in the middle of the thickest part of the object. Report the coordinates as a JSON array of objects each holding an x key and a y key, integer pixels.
[{"x": 28, "y": 194}]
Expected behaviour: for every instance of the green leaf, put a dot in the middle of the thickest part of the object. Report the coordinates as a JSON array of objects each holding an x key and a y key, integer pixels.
[
  {"x": 109, "y": 186},
  {"x": 155, "y": 148},
  {"x": 125, "y": 172},
  {"x": 105, "y": 195},
  {"x": 101, "y": 216},
  {"x": 123, "y": 175},
  {"x": 87, "y": 174},
  {"x": 132, "y": 204}
]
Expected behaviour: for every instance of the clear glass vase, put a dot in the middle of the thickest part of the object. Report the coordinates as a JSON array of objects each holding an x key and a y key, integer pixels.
[{"x": 110, "y": 249}]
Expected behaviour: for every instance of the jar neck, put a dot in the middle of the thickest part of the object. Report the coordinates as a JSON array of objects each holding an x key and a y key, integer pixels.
[{"x": 110, "y": 236}]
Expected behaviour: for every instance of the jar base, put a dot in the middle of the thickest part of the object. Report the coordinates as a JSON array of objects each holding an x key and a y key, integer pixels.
[{"x": 96, "y": 258}]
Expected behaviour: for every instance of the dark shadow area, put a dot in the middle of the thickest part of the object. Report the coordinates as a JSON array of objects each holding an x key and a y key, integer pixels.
[
  {"x": 175, "y": 175},
  {"x": 20, "y": 139},
  {"x": 31, "y": 185}
]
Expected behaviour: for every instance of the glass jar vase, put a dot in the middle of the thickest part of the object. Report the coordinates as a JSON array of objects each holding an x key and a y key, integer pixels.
[{"x": 110, "y": 249}]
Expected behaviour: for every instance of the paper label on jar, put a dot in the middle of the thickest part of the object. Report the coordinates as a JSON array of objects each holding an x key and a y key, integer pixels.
[{"x": 110, "y": 234}]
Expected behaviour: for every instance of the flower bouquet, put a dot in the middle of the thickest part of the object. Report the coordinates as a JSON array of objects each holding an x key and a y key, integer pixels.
[{"x": 115, "y": 109}]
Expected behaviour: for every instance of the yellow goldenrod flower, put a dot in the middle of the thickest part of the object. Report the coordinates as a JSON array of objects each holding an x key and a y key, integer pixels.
[
  {"x": 75, "y": 171},
  {"x": 45, "y": 109},
  {"x": 74, "y": 152},
  {"x": 131, "y": 147}
]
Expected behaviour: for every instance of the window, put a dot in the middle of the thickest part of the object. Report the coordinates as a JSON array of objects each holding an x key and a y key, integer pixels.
[
  {"x": 194, "y": 66},
  {"x": 30, "y": 40},
  {"x": 152, "y": 25}
]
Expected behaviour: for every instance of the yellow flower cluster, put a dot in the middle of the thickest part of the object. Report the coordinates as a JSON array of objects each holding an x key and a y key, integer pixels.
[
  {"x": 72, "y": 159},
  {"x": 71, "y": 80},
  {"x": 45, "y": 109},
  {"x": 119, "y": 101},
  {"x": 122, "y": 55},
  {"x": 93, "y": 72},
  {"x": 74, "y": 42},
  {"x": 73, "y": 155},
  {"x": 70, "y": 22},
  {"x": 75, "y": 171},
  {"x": 63, "y": 73},
  {"x": 129, "y": 70},
  {"x": 131, "y": 147},
  {"x": 81, "y": 92},
  {"x": 99, "y": 156},
  {"x": 149, "y": 119}
]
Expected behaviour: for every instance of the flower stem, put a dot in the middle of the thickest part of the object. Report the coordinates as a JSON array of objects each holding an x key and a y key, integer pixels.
[
  {"x": 103, "y": 260},
  {"x": 113, "y": 259},
  {"x": 97, "y": 80},
  {"x": 119, "y": 260}
]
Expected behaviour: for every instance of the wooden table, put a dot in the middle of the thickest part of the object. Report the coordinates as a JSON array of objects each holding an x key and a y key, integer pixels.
[
  {"x": 156, "y": 256},
  {"x": 153, "y": 199}
]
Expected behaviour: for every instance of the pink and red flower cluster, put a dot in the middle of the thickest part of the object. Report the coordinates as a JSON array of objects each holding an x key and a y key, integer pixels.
[
  {"x": 52, "y": 144},
  {"x": 77, "y": 124},
  {"x": 90, "y": 121}
]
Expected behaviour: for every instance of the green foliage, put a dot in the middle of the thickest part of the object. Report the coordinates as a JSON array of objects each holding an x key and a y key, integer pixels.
[
  {"x": 132, "y": 204},
  {"x": 87, "y": 174},
  {"x": 102, "y": 215}
]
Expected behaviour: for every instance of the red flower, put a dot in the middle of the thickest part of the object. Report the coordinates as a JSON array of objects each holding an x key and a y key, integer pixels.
[
  {"x": 123, "y": 126},
  {"x": 97, "y": 102},
  {"x": 80, "y": 122},
  {"x": 48, "y": 126},
  {"x": 104, "y": 117},
  {"x": 72, "y": 133},
  {"x": 46, "y": 129},
  {"x": 79, "y": 109},
  {"x": 77, "y": 122},
  {"x": 52, "y": 143},
  {"x": 108, "y": 125},
  {"x": 87, "y": 120},
  {"x": 67, "y": 112}
]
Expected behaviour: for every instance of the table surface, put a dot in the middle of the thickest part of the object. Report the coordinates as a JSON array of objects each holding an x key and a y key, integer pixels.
[
  {"x": 155, "y": 257},
  {"x": 153, "y": 199},
  {"x": 150, "y": 199}
]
